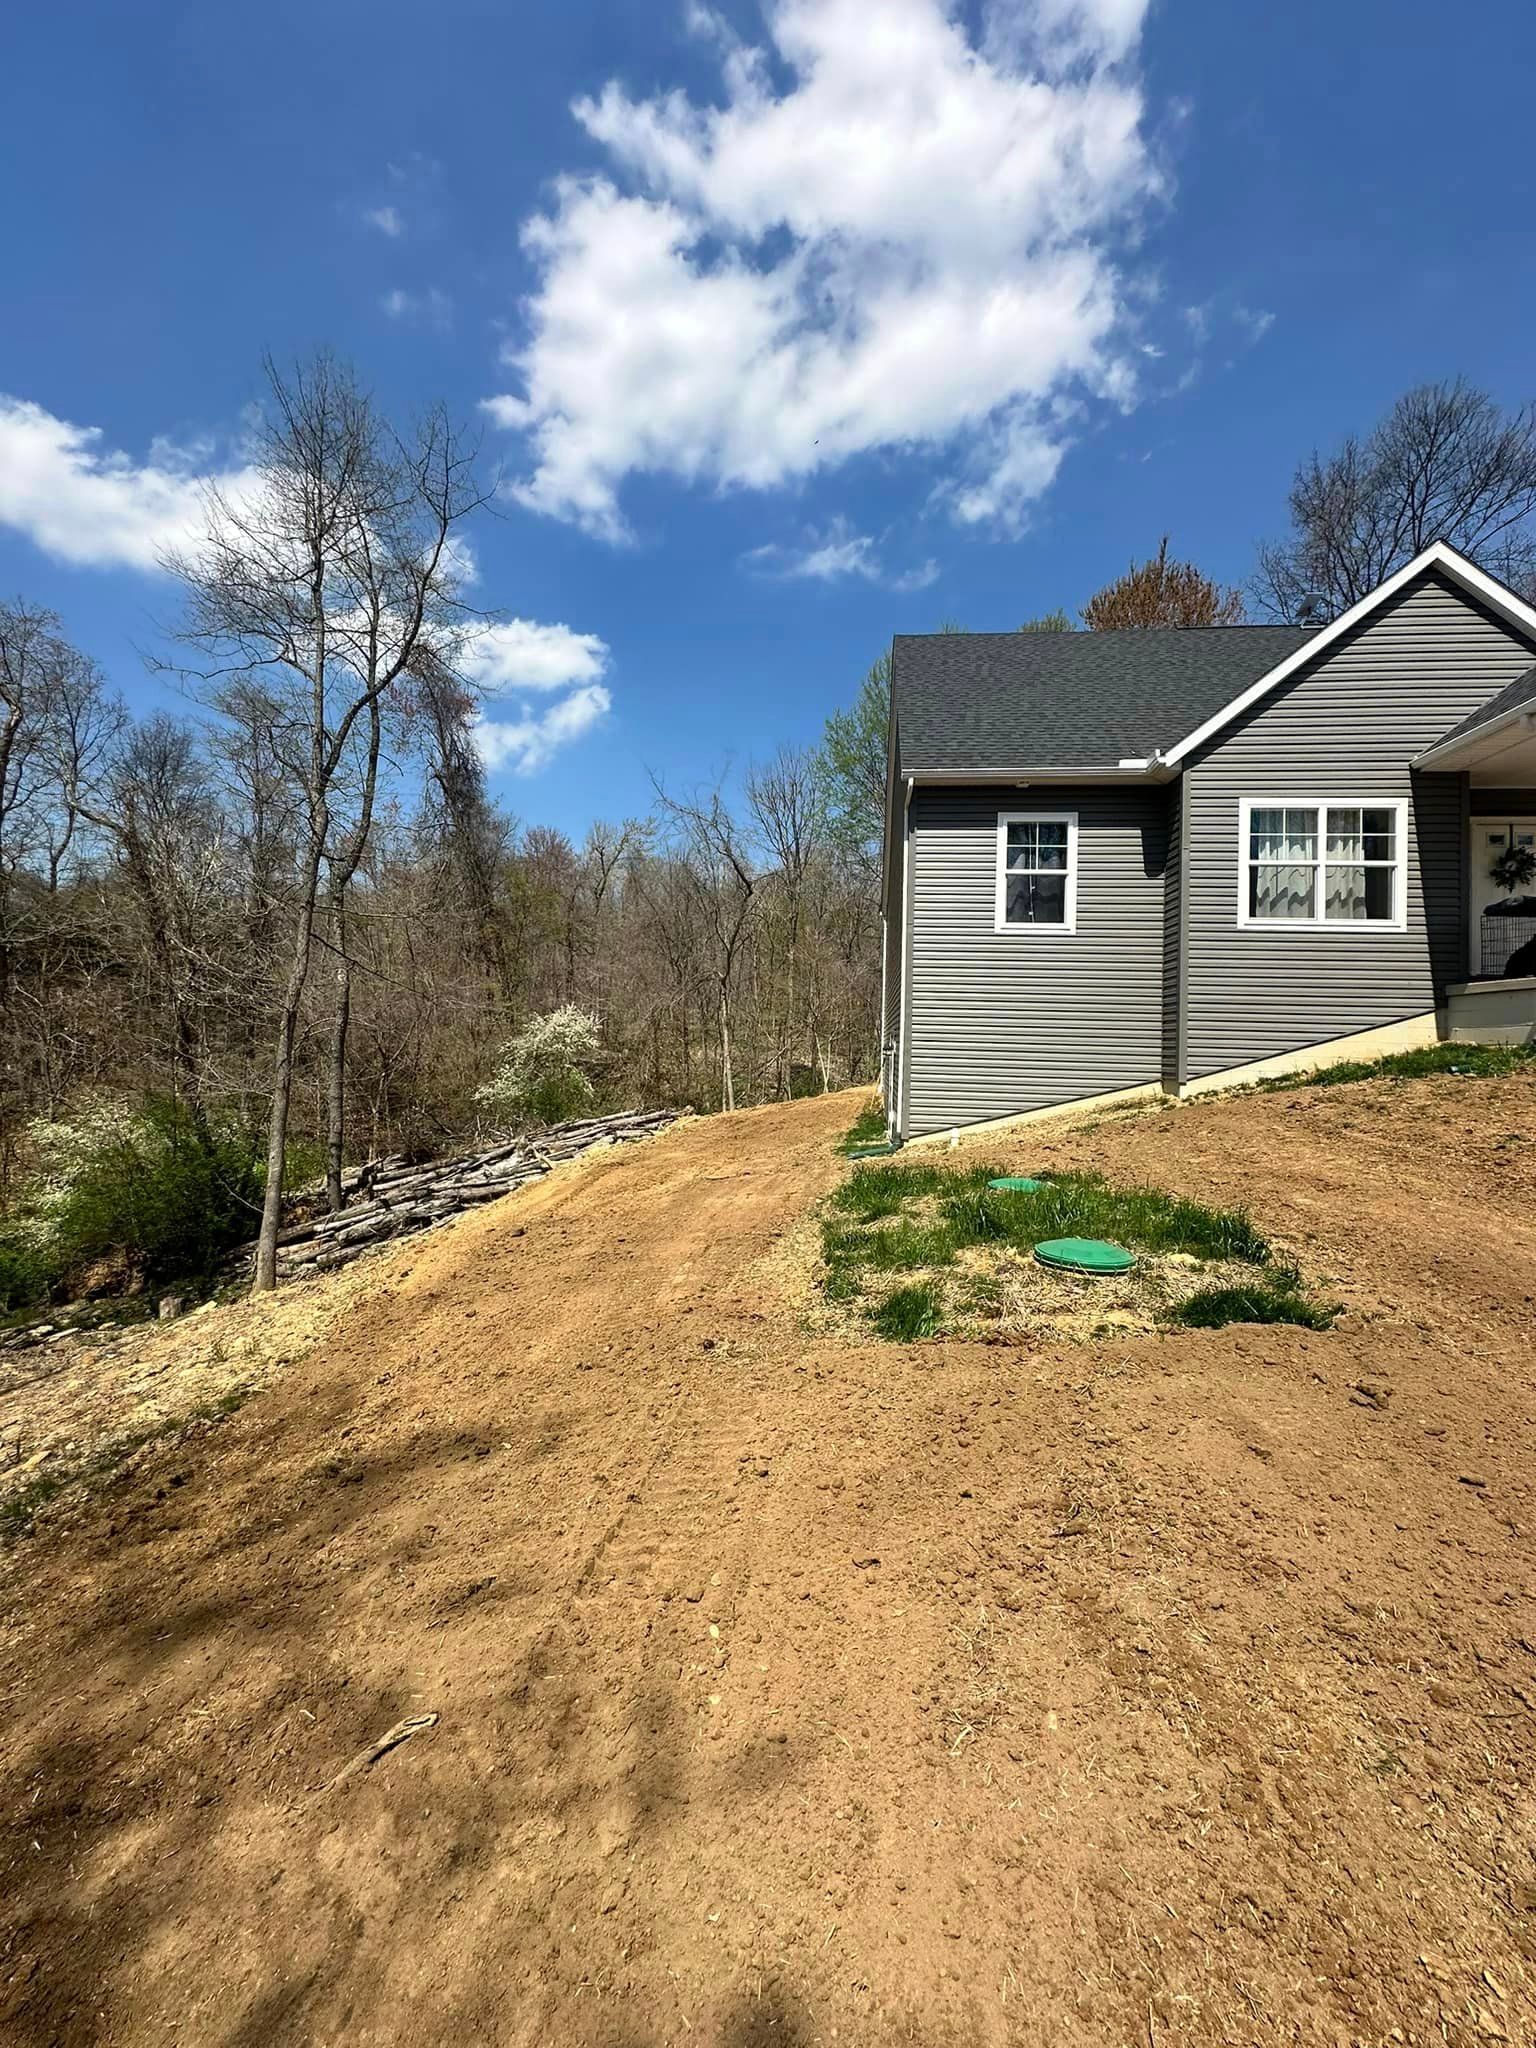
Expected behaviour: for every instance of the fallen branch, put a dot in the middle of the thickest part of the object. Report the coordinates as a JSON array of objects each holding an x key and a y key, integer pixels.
[{"x": 392, "y": 1738}]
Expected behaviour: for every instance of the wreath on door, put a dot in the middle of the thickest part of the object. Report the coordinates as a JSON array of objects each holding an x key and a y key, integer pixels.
[{"x": 1514, "y": 869}]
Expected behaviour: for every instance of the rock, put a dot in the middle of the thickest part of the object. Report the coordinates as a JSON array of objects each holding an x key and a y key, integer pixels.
[
  {"x": 1471, "y": 1479},
  {"x": 171, "y": 1306}
]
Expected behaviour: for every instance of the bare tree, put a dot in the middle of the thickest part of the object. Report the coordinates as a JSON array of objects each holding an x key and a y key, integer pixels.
[
  {"x": 1446, "y": 463},
  {"x": 473, "y": 833},
  {"x": 322, "y": 581},
  {"x": 716, "y": 865},
  {"x": 156, "y": 805},
  {"x": 787, "y": 807},
  {"x": 1158, "y": 592}
]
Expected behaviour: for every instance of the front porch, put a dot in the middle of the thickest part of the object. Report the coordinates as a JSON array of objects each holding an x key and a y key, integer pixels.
[
  {"x": 1494, "y": 752},
  {"x": 1501, "y": 1012}
]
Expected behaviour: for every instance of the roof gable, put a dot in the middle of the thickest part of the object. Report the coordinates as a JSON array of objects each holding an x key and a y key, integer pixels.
[
  {"x": 1456, "y": 567},
  {"x": 1010, "y": 704}
]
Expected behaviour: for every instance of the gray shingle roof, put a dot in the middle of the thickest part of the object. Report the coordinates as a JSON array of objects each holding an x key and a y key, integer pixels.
[
  {"x": 1521, "y": 691},
  {"x": 1069, "y": 700}
]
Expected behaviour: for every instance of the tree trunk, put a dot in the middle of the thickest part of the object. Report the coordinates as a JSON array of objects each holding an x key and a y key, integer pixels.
[
  {"x": 336, "y": 1089},
  {"x": 727, "y": 1080},
  {"x": 265, "y": 1278}
]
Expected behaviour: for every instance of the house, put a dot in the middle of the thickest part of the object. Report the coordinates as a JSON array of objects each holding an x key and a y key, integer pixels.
[{"x": 1157, "y": 862}]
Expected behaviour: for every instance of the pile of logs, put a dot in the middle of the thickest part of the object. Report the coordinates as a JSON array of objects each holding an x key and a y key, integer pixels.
[{"x": 392, "y": 1197}]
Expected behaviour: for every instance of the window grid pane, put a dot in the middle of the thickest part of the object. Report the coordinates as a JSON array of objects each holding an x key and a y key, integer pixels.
[
  {"x": 1037, "y": 899},
  {"x": 1036, "y": 870},
  {"x": 1337, "y": 865}
]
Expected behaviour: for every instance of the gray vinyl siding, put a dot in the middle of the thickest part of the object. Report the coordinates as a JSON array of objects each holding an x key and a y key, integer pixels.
[
  {"x": 1173, "y": 943},
  {"x": 1003, "y": 1022},
  {"x": 1345, "y": 727}
]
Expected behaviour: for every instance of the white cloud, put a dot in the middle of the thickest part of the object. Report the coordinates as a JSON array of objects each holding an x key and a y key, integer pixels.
[
  {"x": 511, "y": 656},
  {"x": 906, "y": 245},
  {"x": 527, "y": 744},
  {"x": 431, "y": 308},
  {"x": 94, "y": 507},
  {"x": 837, "y": 553},
  {"x": 87, "y": 504},
  {"x": 521, "y": 654},
  {"x": 387, "y": 219}
]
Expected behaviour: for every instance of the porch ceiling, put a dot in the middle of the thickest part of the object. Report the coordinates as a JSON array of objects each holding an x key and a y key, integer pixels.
[{"x": 1499, "y": 757}]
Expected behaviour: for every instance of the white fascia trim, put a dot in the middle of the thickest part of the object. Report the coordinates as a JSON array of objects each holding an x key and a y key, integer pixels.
[
  {"x": 1469, "y": 748},
  {"x": 1503, "y": 603}
]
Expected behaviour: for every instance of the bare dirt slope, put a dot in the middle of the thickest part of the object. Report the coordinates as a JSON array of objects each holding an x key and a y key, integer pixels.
[{"x": 1161, "y": 1690}]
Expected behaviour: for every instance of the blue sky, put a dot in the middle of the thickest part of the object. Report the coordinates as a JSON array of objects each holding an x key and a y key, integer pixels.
[{"x": 789, "y": 327}]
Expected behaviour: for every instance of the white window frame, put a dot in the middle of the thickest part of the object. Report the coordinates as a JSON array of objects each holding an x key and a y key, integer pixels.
[
  {"x": 1000, "y": 921},
  {"x": 1398, "y": 922}
]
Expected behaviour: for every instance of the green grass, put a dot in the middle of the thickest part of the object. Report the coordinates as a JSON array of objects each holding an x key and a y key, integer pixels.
[
  {"x": 1266, "y": 1301},
  {"x": 1465, "y": 1062},
  {"x": 910, "y": 1313},
  {"x": 902, "y": 1216},
  {"x": 1069, "y": 1205},
  {"x": 868, "y": 1129}
]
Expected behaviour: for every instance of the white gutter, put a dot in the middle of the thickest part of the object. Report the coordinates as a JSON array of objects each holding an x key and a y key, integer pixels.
[{"x": 1153, "y": 769}]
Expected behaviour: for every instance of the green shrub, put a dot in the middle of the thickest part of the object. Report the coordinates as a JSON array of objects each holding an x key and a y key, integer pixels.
[
  {"x": 24, "y": 1276},
  {"x": 544, "y": 1074},
  {"x": 145, "y": 1185},
  {"x": 909, "y": 1313},
  {"x": 1210, "y": 1308}
]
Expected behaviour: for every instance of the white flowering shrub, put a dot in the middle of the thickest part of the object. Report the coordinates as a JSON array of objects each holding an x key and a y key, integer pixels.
[
  {"x": 545, "y": 1073},
  {"x": 140, "y": 1183}
]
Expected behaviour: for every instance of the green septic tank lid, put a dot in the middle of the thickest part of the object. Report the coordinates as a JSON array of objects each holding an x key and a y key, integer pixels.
[
  {"x": 1017, "y": 1184},
  {"x": 1084, "y": 1255}
]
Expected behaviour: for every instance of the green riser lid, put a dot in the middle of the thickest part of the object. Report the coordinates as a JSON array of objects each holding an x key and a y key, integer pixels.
[
  {"x": 1089, "y": 1255},
  {"x": 1017, "y": 1184}
]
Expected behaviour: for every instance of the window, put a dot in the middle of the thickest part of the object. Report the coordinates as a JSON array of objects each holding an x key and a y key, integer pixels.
[
  {"x": 1311, "y": 864},
  {"x": 1037, "y": 871}
]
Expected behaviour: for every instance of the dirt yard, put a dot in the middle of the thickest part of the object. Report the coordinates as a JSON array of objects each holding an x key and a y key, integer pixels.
[{"x": 795, "y": 1690}]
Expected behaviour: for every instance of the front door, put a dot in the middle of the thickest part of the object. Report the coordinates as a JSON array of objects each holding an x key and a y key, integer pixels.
[{"x": 1493, "y": 940}]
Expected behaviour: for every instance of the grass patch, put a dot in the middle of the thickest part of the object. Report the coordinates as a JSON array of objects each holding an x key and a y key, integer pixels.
[
  {"x": 1068, "y": 1205},
  {"x": 1465, "y": 1062},
  {"x": 1266, "y": 1301},
  {"x": 868, "y": 1129},
  {"x": 910, "y": 1313},
  {"x": 923, "y": 1218}
]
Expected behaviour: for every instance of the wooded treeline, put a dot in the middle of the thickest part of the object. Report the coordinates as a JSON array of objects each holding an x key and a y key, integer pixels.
[
  {"x": 292, "y": 918},
  {"x": 152, "y": 874}
]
